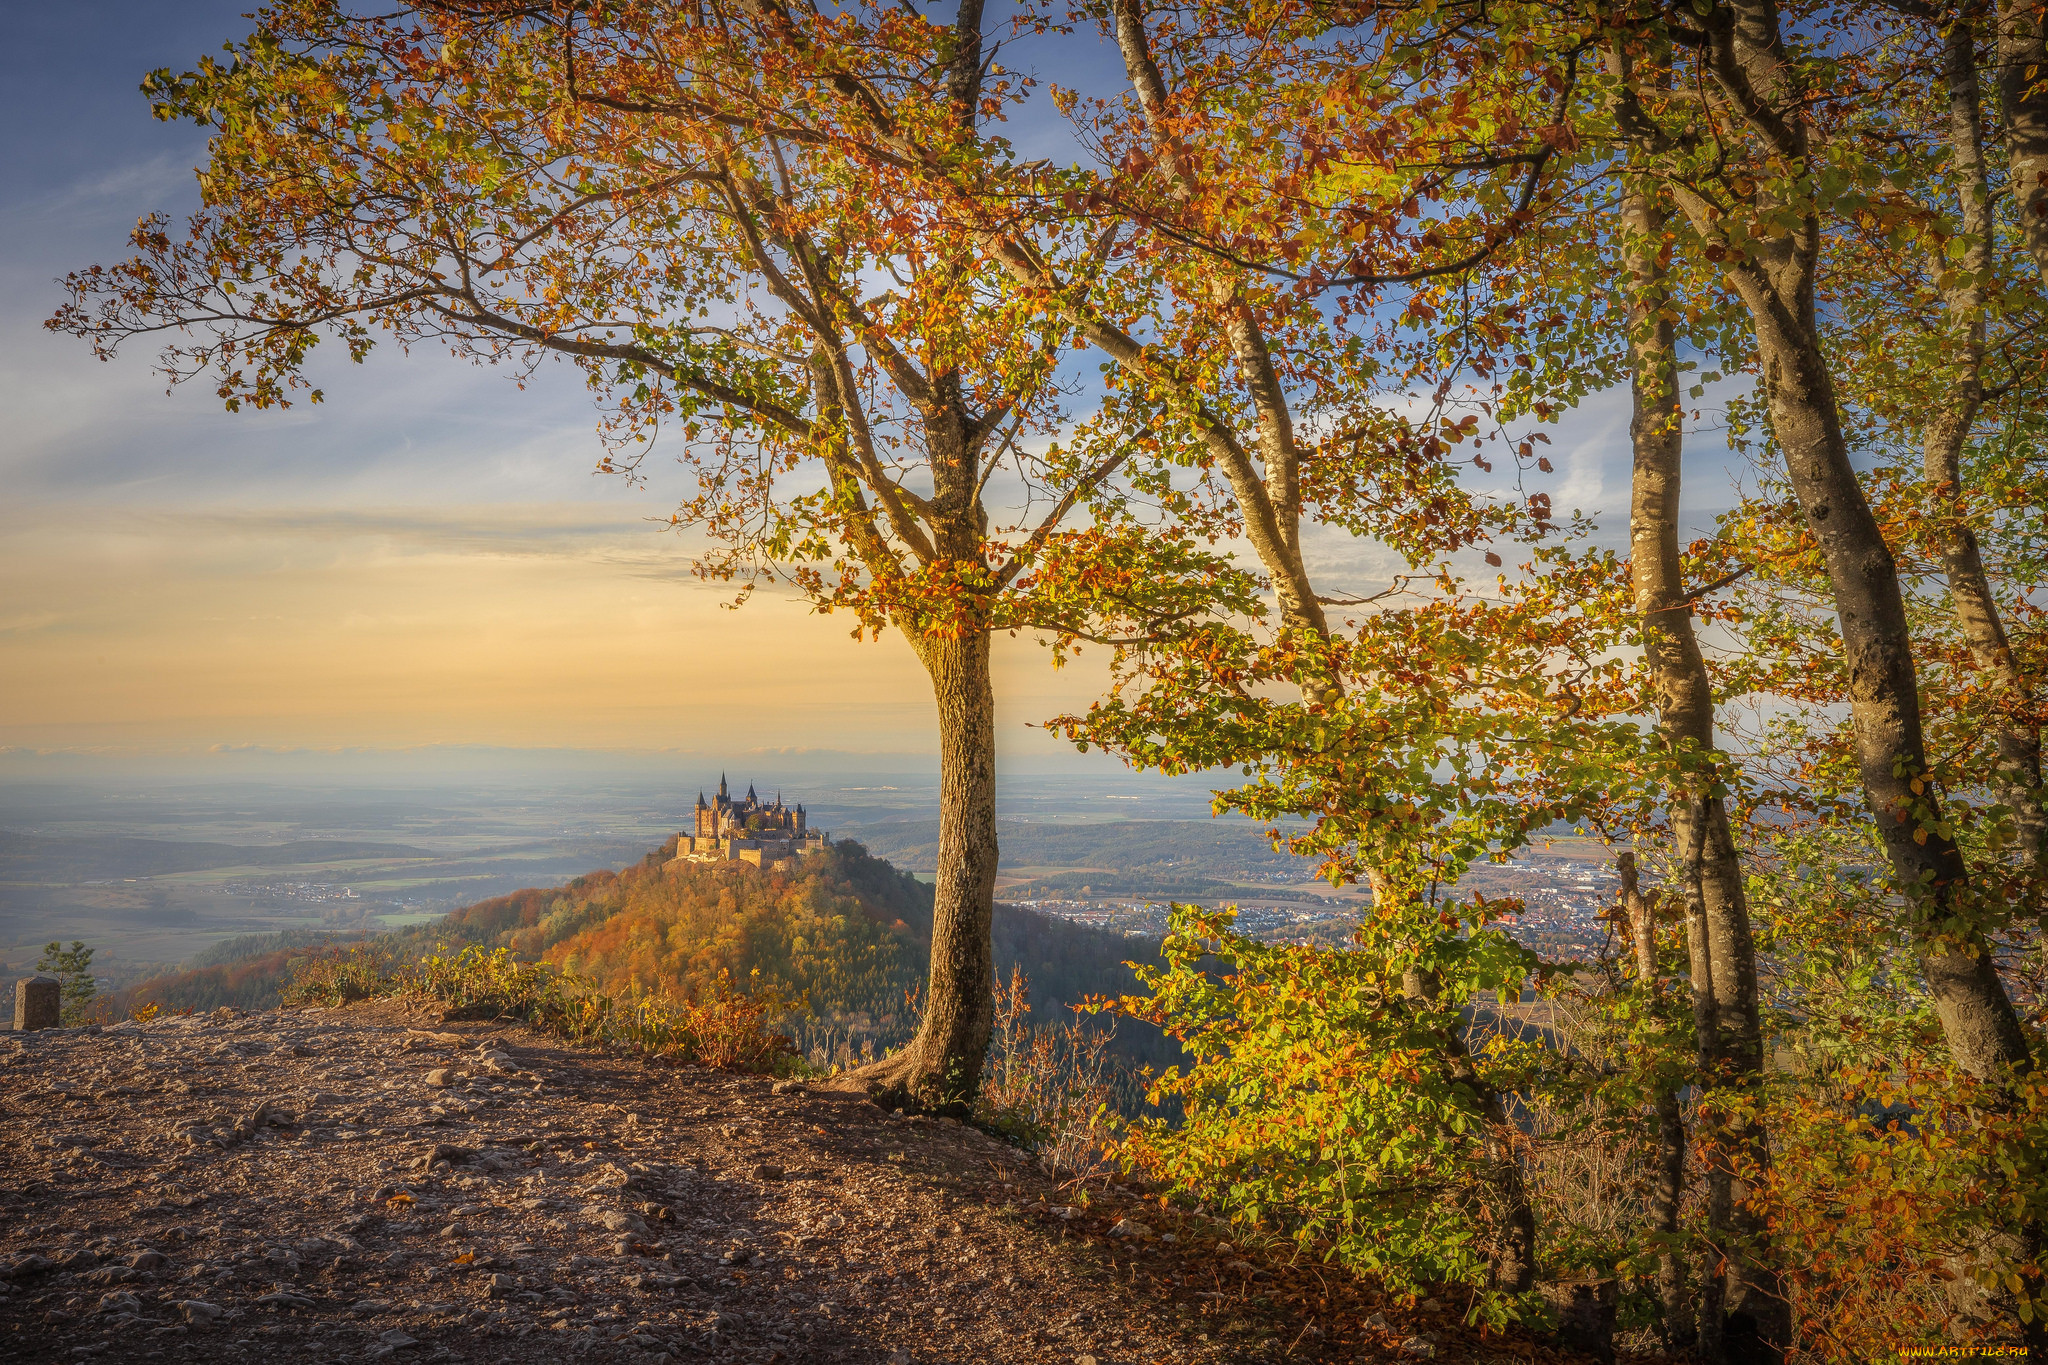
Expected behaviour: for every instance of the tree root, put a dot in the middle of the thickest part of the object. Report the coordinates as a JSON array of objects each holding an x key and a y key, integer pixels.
[{"x": 905, "y": 1081}]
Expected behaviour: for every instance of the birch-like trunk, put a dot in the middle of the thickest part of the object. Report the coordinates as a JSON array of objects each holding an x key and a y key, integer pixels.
[
  {"x": 2014, "y": 730},
  {"x": 1747, "y": 1313},
  {"x": 1680, "y": 1326},
  {"x": 1776, "y": 278}
]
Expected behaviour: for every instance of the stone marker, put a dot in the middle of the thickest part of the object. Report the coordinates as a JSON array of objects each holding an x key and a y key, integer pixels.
[{"x": 36, "y": 1003}]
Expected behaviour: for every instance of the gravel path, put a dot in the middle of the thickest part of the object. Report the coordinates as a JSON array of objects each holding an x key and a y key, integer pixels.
[{"x": 368, "y": 1183}]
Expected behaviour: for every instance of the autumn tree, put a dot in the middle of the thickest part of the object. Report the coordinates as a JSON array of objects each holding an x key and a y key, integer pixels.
[
  {"x": 1216, "y": 202},
  {"x": 1719, "y": 937},
  {"x": 1758, "y": 208},
  {"x": 1769, "y": 149},
  {"x": 1941, "y": 302},
  {"x": 1424, "y": 735},
  {"x": 1318, "y": 210},
  {"x": 743, "y": 225}
]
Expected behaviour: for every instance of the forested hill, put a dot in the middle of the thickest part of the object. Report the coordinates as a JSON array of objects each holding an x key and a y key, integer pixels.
[{"x": 842, "y": 929}]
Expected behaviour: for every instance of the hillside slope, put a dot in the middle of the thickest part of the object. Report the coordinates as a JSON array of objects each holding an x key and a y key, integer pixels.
[
  {"x": 843, "y": 930},
  {"x": 362, "y": 1183}
]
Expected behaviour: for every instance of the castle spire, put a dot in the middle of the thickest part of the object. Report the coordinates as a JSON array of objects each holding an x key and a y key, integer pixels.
[
  {"x": 701, "y": 802},
  {"x": 721, "y": 786}
]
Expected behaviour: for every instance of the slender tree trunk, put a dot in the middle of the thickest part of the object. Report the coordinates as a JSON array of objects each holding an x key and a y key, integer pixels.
[
  {"x": 1944, "y": 906},
  {"x": 1667, "y": 1186},
  {"x": 1776, "y": 280},
  {"x": 940, "y": 1070},
  {"x": 1983, "y": 1030},
  {"x": 1977, "y": 1015},
  {"x": 2023, "y": 101},
  {"x": 2015, "y": 731},
  {"x": 1722, "y": 949}
]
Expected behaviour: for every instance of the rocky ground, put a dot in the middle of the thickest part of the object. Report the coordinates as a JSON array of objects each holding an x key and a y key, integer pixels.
[{"x": 369, "y": 1182}]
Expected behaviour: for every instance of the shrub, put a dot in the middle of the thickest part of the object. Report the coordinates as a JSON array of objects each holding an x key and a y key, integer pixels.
[
  {"x": 726, "y": 1029},
  {"x": 1048, "y": 1087},
  {"x": 73, "y": 969},
  {"x": 338, "y": 976},
  {"x": 1322, "y": 1100}
]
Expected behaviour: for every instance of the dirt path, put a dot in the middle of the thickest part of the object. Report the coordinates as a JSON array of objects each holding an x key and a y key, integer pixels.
[{"x": 366, "y": 1183}]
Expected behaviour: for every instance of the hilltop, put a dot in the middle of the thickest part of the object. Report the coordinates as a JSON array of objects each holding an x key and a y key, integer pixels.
[
  {"x": 373, "y": 1181},
  {"x": 843, "y": 930}
]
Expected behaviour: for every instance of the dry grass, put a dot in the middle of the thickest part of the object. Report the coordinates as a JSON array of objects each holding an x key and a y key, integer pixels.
[
  {"x": 1048, "y": 1086},
  {"x": 729, "y": 1029}
]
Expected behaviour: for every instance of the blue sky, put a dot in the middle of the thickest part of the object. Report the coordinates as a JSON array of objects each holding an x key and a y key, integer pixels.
[{"x": 426, "y": 559}]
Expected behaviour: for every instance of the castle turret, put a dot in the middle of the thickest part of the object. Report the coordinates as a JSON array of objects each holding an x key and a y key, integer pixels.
[{"x": 721, "y": 788}]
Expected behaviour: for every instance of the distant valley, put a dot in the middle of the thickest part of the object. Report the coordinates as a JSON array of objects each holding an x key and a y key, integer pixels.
[{"x": 159, "y": 879}]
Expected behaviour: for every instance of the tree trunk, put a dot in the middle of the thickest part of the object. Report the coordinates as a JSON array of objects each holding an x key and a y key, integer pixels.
[
  {"x": 940, "y": 1070},
  {"x": 2015, "y": 731},
  {"x": 1667, "y": 1188},
  {"x": 1983, "y": 1030},
  {"x": 1977, "y": 1016},
  {"x": 2023, "y": 100},
  {"x": 1719, "y": 942},
  {"x": 1776, "y": 277}
]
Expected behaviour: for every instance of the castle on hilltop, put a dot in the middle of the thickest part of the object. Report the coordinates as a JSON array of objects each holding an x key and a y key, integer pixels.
[{"x": 749, "y": 830}]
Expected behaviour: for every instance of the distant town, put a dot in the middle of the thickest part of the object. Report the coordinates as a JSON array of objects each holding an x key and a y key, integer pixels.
[{"x": 1564, "y": 902}]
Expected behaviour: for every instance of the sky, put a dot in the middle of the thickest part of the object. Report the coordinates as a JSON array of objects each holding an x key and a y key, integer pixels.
[{"x": 426, "y": 561}]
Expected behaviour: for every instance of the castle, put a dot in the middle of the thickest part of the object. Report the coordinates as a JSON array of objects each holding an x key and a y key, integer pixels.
[{"x": 747, "y": 831}]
